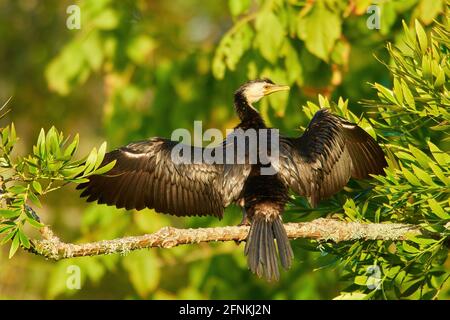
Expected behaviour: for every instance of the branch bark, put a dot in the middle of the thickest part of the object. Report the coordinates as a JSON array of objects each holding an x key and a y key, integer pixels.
[{"x": 52, "y": 247}]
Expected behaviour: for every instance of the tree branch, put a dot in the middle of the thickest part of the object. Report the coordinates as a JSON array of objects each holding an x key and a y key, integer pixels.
[{"x": 333, "y": 230}]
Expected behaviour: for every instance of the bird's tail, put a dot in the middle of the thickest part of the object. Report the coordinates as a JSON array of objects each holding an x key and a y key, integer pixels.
[{"x": 260, "y": 247}]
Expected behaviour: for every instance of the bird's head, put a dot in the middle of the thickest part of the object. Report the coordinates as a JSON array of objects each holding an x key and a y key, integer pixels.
[{"x": 254, "y": 90}]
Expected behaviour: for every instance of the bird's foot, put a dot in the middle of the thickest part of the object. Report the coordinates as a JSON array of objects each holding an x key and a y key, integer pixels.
[{"x": 244, "y": 222}]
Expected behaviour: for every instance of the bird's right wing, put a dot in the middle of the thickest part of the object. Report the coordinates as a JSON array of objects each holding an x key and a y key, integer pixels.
[
  {"x": 331, "y": 151},
  {"x": 145, "y": 175}
]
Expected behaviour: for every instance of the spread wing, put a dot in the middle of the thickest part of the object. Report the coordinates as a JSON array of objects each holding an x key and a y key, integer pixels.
[
  {"x": 146, "y": 175},
  {"x": 331, "y": 151}
]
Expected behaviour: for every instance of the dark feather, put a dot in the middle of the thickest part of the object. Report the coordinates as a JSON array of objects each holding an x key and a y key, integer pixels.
[
  {"x": 145, "y": 176},
  {"x": 331, "y": 151}
]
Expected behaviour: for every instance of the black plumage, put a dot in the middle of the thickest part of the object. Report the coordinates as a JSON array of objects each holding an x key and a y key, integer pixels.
[{"x": 315, "y": 165}]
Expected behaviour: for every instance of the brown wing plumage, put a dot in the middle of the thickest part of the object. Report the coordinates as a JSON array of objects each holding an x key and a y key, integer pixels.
[
  {"x": 331, "y": 151},
  {"x": 145, "y": 176}
]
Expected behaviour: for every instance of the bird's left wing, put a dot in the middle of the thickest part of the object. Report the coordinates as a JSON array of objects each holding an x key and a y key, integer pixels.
[
  {"x": 145, "y": 175},
  {"x": 331, "y": 151}
]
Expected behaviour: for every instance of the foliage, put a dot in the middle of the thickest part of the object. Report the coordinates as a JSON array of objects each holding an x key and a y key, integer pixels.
[
  {"x": 26, "y": 178},
  {"x": 293, "y": 41},
  {"x": 411, "y": 120},
  {"x": 139, "y": 68}
]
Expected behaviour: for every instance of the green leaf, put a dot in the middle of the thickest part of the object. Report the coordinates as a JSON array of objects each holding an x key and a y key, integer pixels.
[
  {"x": 100, "y": 155},
  {"x": 11, "y": 138},
  {"x": 14, "y": 245},
  {"x": 421, "y": 240},
  {"x": 442, "y": 158},
  {"x": 72, "y": 172},
  {"x": 90, "y": 161},
  {"x": 270, "y": 35},
  {"x": 17, "y": 189},
  {"x": 438, "y": 172},
  {"x": 320, "y": 29},
  {"x": 9, "y": 213},
  {"x": 422, "y": 175},
  {"x": 409, "y": 98},
  {"x": 23, "y": 239},
  {"x": 5, "y": 228},
  {"x": 41, "y": 144},
  {"x": 37, "y": 187},
  {"x": 422, "y": 37},
  {"x": 405, "y": 156},
  {"x": 420, "y": 156},
  {"x": 34, "y": 223},
  {"x": 398, "y": 91},
  {"x": 426, "y": 68},
  {"x": 34, "y": 199},
  {"x": 13, "y": 135},
  {"x": 410, "y": 177},
  {"x": 412, "y": 287},
  {"x": 105, "y": 168},
  {"x": 71, "y": 149},
  {"x": 409, "y": 248},
  {"x": 51, "y": 141},
  {"x": 437, "y": 209},
  {"x": 385, "y": 93},
  {"x": 440, "y": 78},
  {"x": 9, "y": 236},
  {"x": 428, "y": 10},
  {"x": 5, "y": 135}
]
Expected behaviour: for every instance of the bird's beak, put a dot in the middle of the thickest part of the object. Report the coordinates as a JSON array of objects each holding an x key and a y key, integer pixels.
[{"x": 275, "y": 88}]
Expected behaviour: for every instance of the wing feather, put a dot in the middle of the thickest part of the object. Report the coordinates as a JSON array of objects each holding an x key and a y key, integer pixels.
[
  {"x": 331, "y": 151},
  {"x": 146, "y": 176}
]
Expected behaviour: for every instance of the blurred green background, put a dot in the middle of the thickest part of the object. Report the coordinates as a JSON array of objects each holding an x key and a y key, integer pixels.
[{"x": 137, "y": 69}]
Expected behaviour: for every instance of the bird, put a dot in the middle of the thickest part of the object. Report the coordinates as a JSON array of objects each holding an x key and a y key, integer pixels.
[{"x": 315, "y": 165}]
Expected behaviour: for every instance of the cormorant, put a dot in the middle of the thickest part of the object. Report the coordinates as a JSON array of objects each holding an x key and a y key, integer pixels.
[{"x": 316, "y": 165}]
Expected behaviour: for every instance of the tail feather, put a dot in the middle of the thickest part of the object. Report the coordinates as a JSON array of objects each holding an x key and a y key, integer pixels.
[
  {"x": 261, "y": 251},
  {"x": 284, "y": 246}
]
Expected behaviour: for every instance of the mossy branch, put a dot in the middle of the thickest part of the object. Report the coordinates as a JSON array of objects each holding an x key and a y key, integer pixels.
[{"x": 52, "y": 247}]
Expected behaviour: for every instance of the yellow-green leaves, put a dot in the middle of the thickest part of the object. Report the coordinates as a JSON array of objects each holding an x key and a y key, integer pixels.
[
  {"x": 87, "y": 50},
  {"x": 14, "y": 245},
  {"x": 8, "y": 139},
  {"x": 421, "y": 37},
  {"x": 230, "y": 50},
  {"x": 46, "y": 169},
  {"x": 421, "y": 170},
  {"x": 410, "y": 177},
  {"x": 270, "y": 35},
  {"x": 437, "y": 209},
  {"x": 320, "y": 27},
  {"x": 441, "y": 157},
  {"x": 428, "y": 10}
]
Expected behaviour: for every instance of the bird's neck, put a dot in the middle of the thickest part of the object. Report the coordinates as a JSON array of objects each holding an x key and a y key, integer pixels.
[{"x": 248, "y": 115}]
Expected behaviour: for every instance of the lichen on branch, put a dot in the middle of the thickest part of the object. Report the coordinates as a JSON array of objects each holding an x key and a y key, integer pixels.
[{"x": 322, "y": 229}]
